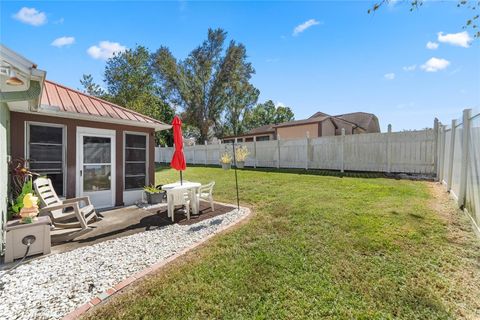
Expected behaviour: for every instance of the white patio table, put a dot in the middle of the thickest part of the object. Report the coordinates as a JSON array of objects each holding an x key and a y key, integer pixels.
[{"x": 190, "y": 187}]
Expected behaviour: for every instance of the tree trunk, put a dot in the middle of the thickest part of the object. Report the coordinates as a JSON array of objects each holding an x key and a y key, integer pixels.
[{"x": 203, "y": 132}]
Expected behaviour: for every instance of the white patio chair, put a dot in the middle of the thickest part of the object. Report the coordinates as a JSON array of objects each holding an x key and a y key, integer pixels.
[
  {"x": 64, "y": 214},
  {"x": 205, "y": 192},
  {"x": 177, "y": 197}
]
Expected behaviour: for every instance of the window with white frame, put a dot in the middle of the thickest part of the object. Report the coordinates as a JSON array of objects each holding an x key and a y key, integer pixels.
[
  {"x": 45, "y": 151},
  {"x": 135, "y": 161}
]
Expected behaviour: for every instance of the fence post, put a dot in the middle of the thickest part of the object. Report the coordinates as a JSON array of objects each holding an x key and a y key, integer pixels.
[
  {"x": 441, "y": 159},
  {"x": 194, "y": 160},
  {"x": 389, "y": 151},
  {"x": 184, "y": 152},
  {"x": 439, "y": 150},
  {"x": 342, "y": 151},
  {"x": 254, "y": 151},
  {"x": 450, "y": 156},
  {"x": 467, "y": 114},
  {"x": 220, "y": 146},
  {"x": 278, "y": 151},
  {"x": 435, "y": 146},
  {"x": 206, "y": 152},
  {"x": 307, "y": 146}
]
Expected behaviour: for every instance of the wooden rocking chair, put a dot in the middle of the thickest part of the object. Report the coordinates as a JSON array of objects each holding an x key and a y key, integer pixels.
[{"x": 69, "y": 218}]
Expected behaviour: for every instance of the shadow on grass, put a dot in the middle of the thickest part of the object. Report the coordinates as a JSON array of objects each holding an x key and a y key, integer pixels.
[{"x": 317, "y": 172}]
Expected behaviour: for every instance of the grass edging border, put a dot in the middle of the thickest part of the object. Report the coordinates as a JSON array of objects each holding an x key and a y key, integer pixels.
[{"x": 81, "y": 310}]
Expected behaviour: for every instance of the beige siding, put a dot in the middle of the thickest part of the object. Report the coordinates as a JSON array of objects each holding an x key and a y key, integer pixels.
[
  {"x": 300, "y": 131},
  {"x": 328, "y": 129}
]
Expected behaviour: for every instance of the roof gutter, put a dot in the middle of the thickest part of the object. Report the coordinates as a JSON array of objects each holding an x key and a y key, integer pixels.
[{"x": 32, "y": 93}]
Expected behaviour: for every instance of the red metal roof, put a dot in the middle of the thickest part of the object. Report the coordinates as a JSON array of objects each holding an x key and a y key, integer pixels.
[{"x": 72, "y": 101}]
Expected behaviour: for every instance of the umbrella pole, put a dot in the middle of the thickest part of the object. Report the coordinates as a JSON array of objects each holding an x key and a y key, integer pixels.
[
  {"x": 236, "y": 176},
  {"x": 181, "y": 177}
]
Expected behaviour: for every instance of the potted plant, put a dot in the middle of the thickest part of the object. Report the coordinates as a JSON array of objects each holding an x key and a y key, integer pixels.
[
  {"x": 24, "y": 198},
  {"x": 21, "y": 178},
  {"x": 241, "y": 154},
  {"x": 154, "y": 195},
  {"x": 226, "y": 161}
]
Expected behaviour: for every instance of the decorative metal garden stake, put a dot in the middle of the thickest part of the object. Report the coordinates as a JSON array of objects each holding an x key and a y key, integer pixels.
[{"x": 236, "y": 177}]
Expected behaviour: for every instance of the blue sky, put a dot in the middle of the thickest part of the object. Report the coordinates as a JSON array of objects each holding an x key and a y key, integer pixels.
[{"x": 340, "y": 59}]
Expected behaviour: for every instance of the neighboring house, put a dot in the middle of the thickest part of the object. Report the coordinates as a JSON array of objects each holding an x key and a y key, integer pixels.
[
  {"x": 262, "y": 133},
  {"x": 318, "y": 125},
  {"x": 85, "y": 145}
]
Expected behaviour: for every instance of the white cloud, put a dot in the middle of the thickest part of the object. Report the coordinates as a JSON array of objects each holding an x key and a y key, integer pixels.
[
  {"x": 432, "y": 45},
  {"x": 435, "y": 64},
  {"x": 63, "y": 41},
  {"x": 279, "y": 104},
  {"x": 31, "y": 16},
  {"x": 304, "y": 26},
  {"x": 461, "y": 39},
  {"x": 410, "y": 68},
  {"x": 389, "y": 76},
  {"x": 105, "y": 50}
]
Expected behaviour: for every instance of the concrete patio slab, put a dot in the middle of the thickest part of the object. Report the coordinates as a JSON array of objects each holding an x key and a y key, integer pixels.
[{"x": 130, "y": 220}]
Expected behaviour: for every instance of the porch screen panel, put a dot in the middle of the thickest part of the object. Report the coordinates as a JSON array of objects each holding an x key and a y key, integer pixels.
[
  {"x": 135, "y": 161},
  {"x": 97, "y": 163},
  {"x": 45, "y": 152}
]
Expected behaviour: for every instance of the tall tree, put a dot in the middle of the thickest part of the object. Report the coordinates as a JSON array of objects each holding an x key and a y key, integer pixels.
[
  {"x": 266, "y": 113},
  {"x": 241, "y": 101},
  {"x": 90, "y": 87},
  {"x": 131, "y": 83},
  {"x": 203, "y": 83},
  {"x": 470, "y": 23},
  {"x": 241, "y": 95}
]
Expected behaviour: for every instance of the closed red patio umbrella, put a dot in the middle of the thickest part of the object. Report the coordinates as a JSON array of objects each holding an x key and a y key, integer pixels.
[{"x": 178, "y": 159}]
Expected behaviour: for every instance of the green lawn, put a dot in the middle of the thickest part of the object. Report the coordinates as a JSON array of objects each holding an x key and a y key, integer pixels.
[{"x": 318, "y": 247}]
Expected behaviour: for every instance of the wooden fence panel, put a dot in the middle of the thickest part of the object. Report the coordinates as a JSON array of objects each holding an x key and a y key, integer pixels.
[
  {"x": 472, "y": 202},
  {"x": 267, "y": 153},
  {"x": 325, "y": 153},
  {"x": 459, "y": 150},
  {"x": 408, "y": 152},
  {"x": 366, "y": 152}
]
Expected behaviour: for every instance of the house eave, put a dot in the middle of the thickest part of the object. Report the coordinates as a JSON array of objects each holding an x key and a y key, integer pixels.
[{"x": 48, "y": 111}]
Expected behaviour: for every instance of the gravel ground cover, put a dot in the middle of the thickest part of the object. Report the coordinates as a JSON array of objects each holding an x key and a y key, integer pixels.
[{"x": 51, "y": 287}]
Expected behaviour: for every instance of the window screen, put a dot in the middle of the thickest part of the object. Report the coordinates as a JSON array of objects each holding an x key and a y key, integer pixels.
[
  {"x": 45, "y": 152},
  {"x": 135, "y": 161}
]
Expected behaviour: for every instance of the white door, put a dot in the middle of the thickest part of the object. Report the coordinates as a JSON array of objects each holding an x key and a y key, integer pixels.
[{"x": 96, "y": 166}]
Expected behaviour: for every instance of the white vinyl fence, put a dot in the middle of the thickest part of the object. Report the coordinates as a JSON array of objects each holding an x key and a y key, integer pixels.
[
  {"x": 402, "y": 152},
  {"x": 459, "y": 162}
]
